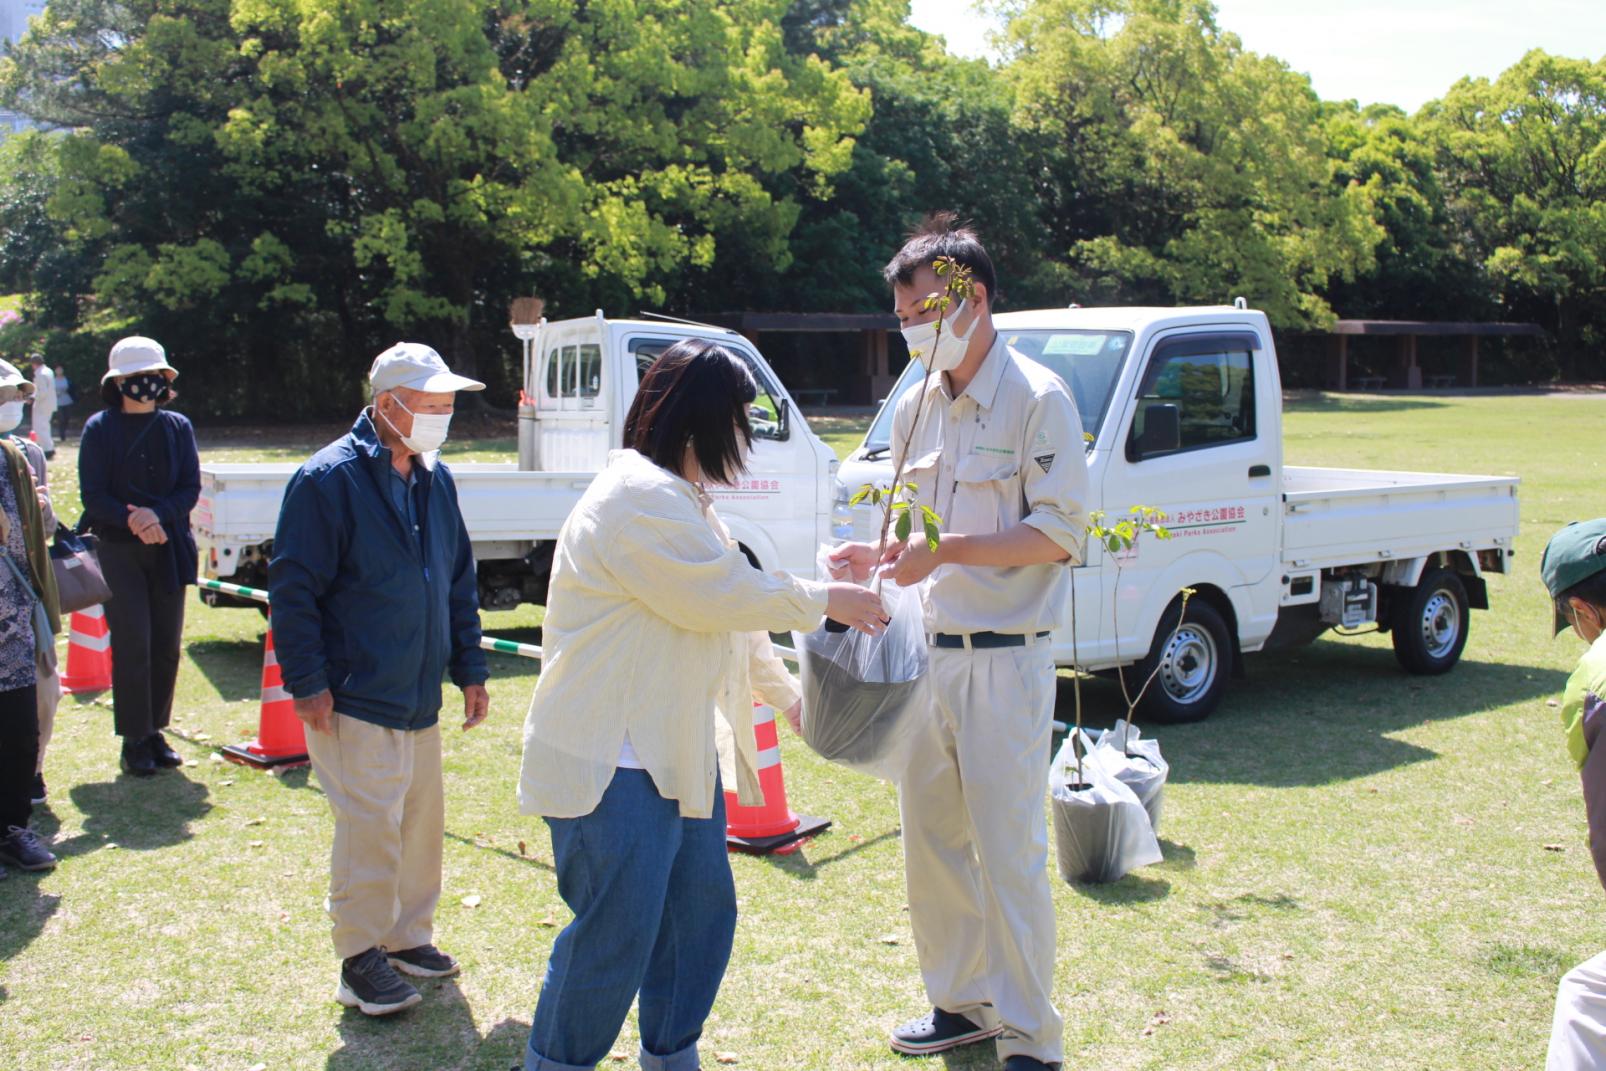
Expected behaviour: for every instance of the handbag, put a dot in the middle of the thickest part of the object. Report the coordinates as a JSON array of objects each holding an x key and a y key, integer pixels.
[
  {"x": 44, "y": 641},
  {"x": 79, "y": 579}
]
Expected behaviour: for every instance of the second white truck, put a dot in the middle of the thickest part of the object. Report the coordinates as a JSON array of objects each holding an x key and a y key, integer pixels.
[{"x": 1184, "y": 408}]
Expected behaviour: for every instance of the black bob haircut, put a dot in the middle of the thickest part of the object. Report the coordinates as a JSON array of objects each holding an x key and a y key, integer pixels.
[
  {"x": 696, "y": 393},
  {"x": 942, "y": 235}
]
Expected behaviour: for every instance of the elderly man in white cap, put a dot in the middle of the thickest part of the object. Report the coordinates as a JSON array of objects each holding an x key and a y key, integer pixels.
[
  {"x": 44, "y": 403},
  {"x": 375, "y": 599}
]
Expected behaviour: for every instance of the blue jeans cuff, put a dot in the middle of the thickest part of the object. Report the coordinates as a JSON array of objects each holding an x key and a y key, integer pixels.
[
  {"x": 684, "y": 1060},
  {"x": 534, "y": 1061}
]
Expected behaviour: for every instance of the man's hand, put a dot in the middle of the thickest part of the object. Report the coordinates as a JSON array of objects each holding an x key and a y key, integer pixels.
[
  {"x": 476, "y": 704},
  {"x": 317, "y": 712},
  {"x": 851, "y": 561},
  {"x": 794, "y": 717},
  {"x": 915, "y": 563}
]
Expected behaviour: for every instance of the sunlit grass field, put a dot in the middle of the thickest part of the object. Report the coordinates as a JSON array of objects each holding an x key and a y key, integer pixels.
[{"x": 1361, "y": 867}]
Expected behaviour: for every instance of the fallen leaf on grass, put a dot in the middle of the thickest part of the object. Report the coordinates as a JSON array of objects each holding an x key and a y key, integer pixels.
[
  {"x": 255, "y": 821},
  {"x": 1552, "y": 702},
  {"x": 284, "y": 916},
  {"x": 471, "y": 900},
  {"x": 522, "y": 851},
  {"x": 226, "y": 781},
  {"x": 200, "y": 738},
  {"x": 726, "y": 1058},
  {"x": 215, "y": 759},
  {"x": 548, "y": 922},
  {"x": 191, "y": 762},
  {"x": 1548, "y": 781},
  {"x": 1462, "y": 820},
  {"x": 257, "y": 1067},
  {"x": 889, "y": 939},
  {"x": 256, "y": 844},
  {"x": 1555, "y": 847},
  {"x": 1160, "y": 1019},
  {"x": 618, "y": 1057}
]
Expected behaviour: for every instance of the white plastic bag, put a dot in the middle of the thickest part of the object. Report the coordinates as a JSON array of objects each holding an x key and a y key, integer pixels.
[
  {"x": 1101, "y": 831},
  {"x": 860, "y": 692},
  {"x": 1137, "y": 764}
]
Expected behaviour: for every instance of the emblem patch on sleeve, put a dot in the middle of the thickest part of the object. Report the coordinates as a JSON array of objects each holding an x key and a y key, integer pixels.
[{"x": 1045, "y": 461}]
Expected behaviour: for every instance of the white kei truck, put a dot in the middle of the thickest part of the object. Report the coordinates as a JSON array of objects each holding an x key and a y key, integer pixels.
[
  {"x": 1183, "y": 407},
  {"x": 580, "y": 377}
]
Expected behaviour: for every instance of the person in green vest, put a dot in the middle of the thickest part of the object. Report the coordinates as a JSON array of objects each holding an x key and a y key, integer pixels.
[{"x": 1574, "y": 571}]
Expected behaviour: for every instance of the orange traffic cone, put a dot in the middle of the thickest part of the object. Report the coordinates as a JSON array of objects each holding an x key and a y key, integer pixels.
[
  {"x": 771, "y": 827},
  {"x": 280, "y": 739},
  {"x": 89, "y": 652}
]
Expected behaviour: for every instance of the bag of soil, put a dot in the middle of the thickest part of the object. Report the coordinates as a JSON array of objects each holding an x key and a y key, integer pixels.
[
  {"x": 1101, "y": 831},
  {"x": 860, "y": 692},
  {"x": 1137, "y": 764}
]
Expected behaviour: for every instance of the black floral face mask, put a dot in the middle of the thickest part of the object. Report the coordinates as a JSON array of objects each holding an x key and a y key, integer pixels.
[{"x": 146, "y": 387}]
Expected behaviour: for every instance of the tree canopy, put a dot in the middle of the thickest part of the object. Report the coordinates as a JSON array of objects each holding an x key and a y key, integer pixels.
[{"x": 279, "y": 189}]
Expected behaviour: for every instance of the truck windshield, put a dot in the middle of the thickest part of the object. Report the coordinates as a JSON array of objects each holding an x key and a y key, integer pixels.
[{"x": 1086, "y": 360}]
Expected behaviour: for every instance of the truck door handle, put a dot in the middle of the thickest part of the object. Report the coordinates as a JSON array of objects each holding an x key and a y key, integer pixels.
[{"x": 1259, "y": 470}]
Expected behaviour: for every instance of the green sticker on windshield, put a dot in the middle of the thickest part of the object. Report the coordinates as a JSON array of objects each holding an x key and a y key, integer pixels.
[{"x": 1078, "y": 345}]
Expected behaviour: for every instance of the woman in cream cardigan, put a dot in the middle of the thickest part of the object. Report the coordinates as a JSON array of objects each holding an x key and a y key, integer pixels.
[{"x": 655, "y": 632}]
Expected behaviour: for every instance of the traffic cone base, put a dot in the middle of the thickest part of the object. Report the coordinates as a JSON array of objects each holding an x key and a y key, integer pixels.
[
  {"x": 771, "y": 828},
  {"x": 89, "y": 653},
  {"x": 281, "y": 739}
]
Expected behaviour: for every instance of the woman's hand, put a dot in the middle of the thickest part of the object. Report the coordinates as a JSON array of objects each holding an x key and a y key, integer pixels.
[
  {"x": 856, "y": 607},
  {"x": 794, "y": 717},
  {"x": 144, "y": 523}
]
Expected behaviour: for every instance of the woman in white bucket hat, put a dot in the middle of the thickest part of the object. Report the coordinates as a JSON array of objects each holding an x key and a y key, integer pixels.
[{"x": 139, "y": 475}]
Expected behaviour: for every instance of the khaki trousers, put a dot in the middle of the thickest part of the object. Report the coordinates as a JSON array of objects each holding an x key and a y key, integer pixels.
[
  {"x": 975, "y": 844},
  {"x": 384, "y": 786},
  {"x": 1578, "y": 1031}
]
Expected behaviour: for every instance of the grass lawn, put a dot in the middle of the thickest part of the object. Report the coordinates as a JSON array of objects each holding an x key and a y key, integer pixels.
[{"x": 1358, "y": 866}]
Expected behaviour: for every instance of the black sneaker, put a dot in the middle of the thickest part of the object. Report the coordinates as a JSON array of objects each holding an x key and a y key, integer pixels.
[
  {"x": 425, "y": 961},
  {"x": 136, "y": 758},
  {"x": 1028, "y": 1063},
  {"x": 23, "y": 849},
  {"x": 38, "y": 795},
  {"x": 939, "y": 1031},
  {"x": 161, "y": 753},
  {"x": 369, "y": 984}
]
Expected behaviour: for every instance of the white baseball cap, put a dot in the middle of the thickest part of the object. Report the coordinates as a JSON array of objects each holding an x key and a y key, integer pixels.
[
  {"x": 13, "y": 384},
  {"x": 417, "y": 367},
  {"x": 135, "y": 354}
]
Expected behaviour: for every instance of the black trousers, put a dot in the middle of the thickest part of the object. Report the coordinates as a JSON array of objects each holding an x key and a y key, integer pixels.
[
  {"x": 19, "y": 754},
  {"x": 147, "y": 627}
]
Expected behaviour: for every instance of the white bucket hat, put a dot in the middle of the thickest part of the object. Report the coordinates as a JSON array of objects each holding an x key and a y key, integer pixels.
[
  {"x": 13, "y": 384},
  {"x": 417, "y": 367},
  {"x": 135, "y": 354}
]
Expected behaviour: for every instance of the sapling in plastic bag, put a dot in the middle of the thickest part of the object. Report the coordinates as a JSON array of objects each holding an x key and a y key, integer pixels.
[
  {"x": 860, "y": 692},
  {"x": 1101, "y": 831},
  {"x": 1136, "y": 762}
]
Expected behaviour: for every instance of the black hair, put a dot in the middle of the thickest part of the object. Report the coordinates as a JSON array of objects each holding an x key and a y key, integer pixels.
[
  {"x": 941, "y": 234},
  {"x": 697, "y": 393},
  {"x": 1591, "y": 589}
]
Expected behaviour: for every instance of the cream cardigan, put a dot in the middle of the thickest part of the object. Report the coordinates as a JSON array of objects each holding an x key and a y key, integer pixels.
[{"x": 655, "y": 622}]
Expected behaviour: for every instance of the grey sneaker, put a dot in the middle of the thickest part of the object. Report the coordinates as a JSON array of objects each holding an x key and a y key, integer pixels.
[
  {"x": 425, "y": 961},
  {"x": 369, "y": 984},
  {"x": 23, "y": 849},
  {"x": 939, "y": 1031}
]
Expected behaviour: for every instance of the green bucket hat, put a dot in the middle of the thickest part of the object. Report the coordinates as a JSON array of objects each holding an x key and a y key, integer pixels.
[{"x": 1573, "y": 555}]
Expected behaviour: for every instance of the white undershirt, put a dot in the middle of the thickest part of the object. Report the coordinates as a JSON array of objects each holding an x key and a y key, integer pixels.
[{"x": 627, "y": 756}]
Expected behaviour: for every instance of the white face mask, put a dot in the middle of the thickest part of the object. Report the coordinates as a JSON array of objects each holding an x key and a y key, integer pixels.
[
  {"x": 429, "y": 429},
  {"x": 10, "y": 416},
  {"x": 941, "y": 354}
]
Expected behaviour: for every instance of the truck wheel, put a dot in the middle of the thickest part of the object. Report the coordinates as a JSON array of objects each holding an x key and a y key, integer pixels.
[
  {"x": 1193, "y": 659},
  {"x": 1429, "y": 623}
]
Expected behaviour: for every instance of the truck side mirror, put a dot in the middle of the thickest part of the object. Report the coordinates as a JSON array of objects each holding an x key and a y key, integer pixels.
[{"x": 1162, "y": 433}]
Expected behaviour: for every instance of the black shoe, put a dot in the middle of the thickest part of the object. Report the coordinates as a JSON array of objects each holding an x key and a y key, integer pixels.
[
  {"x": 161, "y": 753},
  {"x": 137, "y": 758},
  {"x": 1028, "y": 1063},
  {"x": 38, "y": 795},
  {"x": 369, "y": 984},
  {"x": 939, "y": 1031},
  {"x": 425, "y": 961},
  {"x": 23, "y": 849}
]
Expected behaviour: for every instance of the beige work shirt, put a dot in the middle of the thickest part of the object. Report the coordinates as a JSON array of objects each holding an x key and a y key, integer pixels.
[
  {"x": 1008, "y": 450},
  {"x": 655, "y": 622}
]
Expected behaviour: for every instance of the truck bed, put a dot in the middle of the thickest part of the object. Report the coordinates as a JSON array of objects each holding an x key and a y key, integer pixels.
[{"x": 1337, "y": 516}]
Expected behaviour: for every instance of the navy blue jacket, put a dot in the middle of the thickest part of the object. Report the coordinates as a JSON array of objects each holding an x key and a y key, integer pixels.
[
  {"x": 358, "y": 608},
  {"x": 108, "y": 486}
]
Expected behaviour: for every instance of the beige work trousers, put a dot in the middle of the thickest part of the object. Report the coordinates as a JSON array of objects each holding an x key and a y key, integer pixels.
[
  {"x": 1578, "y": 1031},
  {"x": 975, "y": 844},
  {"x": 384, "y": 786}
]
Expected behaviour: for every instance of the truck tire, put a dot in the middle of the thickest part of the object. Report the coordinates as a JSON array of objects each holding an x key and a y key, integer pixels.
[
  {"x": 1194, "y": 661},
  {"x": 1429, "y": 623}
]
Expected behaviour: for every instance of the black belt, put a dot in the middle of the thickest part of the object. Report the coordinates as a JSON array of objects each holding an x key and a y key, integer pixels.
[{"x": 982, "y": 639}]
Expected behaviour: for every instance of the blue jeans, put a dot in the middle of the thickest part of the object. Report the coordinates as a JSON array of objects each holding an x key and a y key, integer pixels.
[{"x": 654, "y": 913}]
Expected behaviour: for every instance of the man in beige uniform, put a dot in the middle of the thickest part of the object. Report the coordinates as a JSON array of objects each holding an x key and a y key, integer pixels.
[{"x": 998, "y": 453}]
